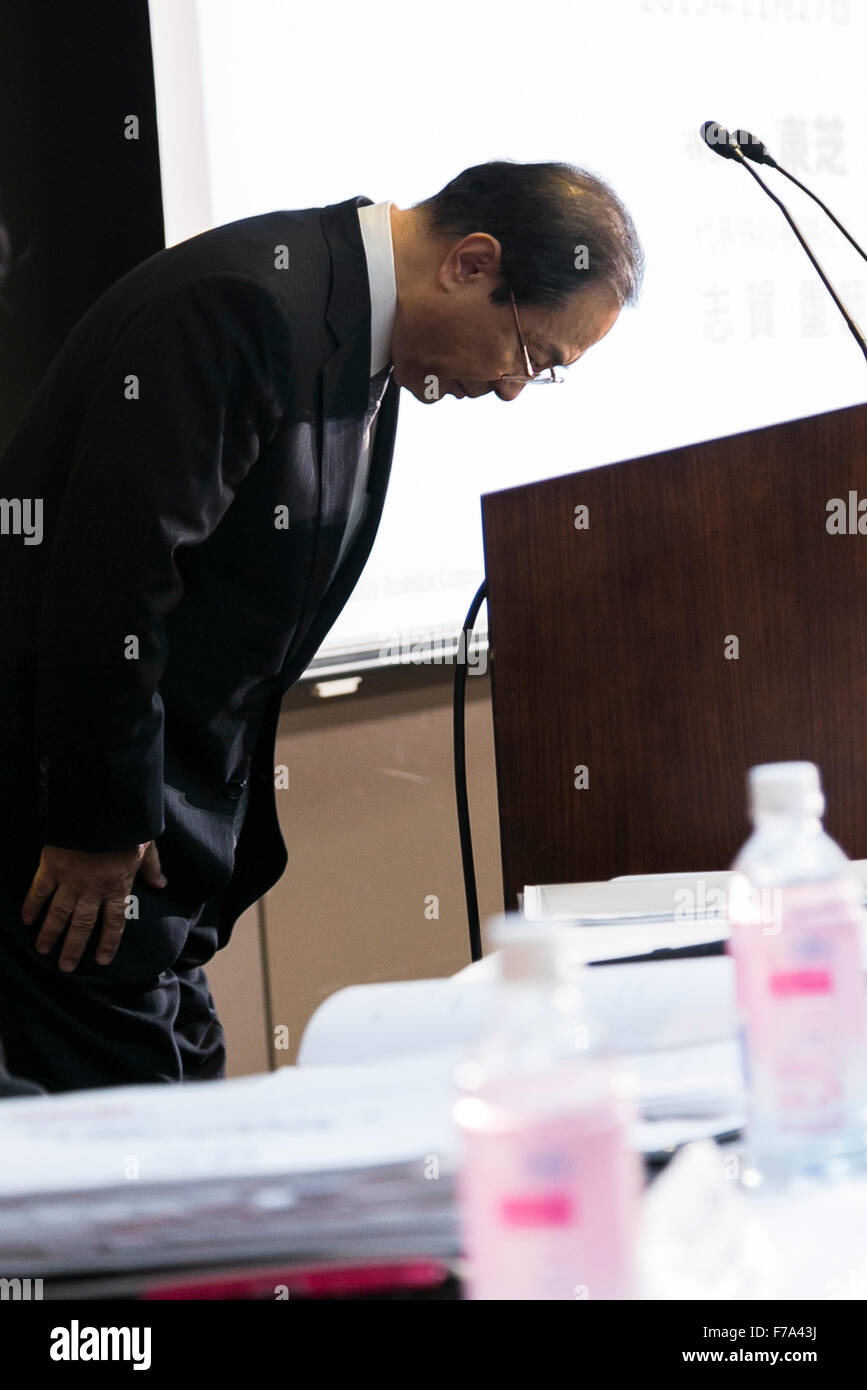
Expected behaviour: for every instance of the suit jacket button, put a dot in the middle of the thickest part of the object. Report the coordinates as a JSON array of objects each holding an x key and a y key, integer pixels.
[{"x": 233, "y": 790}]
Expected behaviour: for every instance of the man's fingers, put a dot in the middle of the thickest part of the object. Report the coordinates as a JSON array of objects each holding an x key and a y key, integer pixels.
[
  {"x": 38, "y": 893},
  {"x": 59, "y": 913},
  {"x": 113, "y": 923},
  {"x": 83, "y": 921},
  {"x": 81, "y": 884},
  {"x": 150, "y": 869}
]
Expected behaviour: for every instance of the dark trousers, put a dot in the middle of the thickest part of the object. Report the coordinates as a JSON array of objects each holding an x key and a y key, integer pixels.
[
  {"x": 66, "y": 1032},
  {"x": 108, "y": 1026}
]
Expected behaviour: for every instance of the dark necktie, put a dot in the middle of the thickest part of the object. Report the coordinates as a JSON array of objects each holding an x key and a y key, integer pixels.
[{"x": 378, "y": 384}]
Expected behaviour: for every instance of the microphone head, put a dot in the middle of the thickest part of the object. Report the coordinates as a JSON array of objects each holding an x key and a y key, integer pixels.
[
  {"x": 720, "y": 140},
  {"x": 753, "y": 148}
]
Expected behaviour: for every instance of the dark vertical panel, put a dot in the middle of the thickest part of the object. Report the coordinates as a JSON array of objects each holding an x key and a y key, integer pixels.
[
  {"x": 79, "y": 204},
  {"x": 607, "y": 649}
]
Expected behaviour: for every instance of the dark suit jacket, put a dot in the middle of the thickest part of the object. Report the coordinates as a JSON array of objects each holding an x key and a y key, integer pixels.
[{"x": 209, "y": 388}]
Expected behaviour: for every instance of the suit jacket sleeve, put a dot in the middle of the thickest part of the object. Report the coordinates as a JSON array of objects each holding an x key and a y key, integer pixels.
[{"x": 155, "y": 466}]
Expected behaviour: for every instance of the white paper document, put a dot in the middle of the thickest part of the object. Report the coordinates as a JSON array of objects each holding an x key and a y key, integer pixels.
[
  {"x": 295, "y": 1164},
  {"x": 642, "y": 1006}
]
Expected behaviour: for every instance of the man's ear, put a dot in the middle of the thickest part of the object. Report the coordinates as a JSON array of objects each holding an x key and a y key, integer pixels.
[{"x": 475, "y": 255}]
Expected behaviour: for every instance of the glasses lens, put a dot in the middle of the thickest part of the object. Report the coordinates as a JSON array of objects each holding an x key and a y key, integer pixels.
[{"x": 549, "y": 377}]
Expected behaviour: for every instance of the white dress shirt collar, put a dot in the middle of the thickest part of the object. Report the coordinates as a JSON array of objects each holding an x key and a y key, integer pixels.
[{"x": 375, "y": 226}]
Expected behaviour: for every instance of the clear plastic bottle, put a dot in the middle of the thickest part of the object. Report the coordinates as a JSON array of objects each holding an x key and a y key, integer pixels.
[
  {"x": 548, "y": 1184},
  {"x": 796, "y": 937}
]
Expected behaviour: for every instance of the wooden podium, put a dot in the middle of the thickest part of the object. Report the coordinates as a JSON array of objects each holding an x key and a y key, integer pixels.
[{"x": 710, "y": 614}]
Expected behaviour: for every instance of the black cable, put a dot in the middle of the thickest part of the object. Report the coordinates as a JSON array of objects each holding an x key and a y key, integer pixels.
[
  {"x": 824, "y": 207},
  {"x": 460, "y": 751},
  {"x": 850, "y": 322}
]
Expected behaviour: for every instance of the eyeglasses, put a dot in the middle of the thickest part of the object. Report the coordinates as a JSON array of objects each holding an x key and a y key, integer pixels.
[{"x": 546, "y": 377}]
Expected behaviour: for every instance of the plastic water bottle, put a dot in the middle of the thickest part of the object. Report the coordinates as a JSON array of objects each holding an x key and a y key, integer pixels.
[
  {"x": 796, "y": 932},
  {"x": 548, "y": 1184}
]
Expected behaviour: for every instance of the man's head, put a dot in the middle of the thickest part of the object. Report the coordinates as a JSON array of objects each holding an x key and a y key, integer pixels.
[{"x": 554, "y": 238}]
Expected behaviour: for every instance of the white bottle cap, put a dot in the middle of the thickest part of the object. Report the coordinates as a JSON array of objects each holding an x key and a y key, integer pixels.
[
  {"x": 780, "y": 789},
  {"x": 536, "y": 951}
]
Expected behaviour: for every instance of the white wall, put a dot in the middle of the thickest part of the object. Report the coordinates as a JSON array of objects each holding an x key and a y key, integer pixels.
[{"x": 312, "y": 103}]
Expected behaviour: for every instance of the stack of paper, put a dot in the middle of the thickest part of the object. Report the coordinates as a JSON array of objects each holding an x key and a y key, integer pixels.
[{"x": 312, "y": 1164}]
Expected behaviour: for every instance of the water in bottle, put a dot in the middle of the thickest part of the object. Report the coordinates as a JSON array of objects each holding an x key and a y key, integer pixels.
[{"x": 796, "y": 937}]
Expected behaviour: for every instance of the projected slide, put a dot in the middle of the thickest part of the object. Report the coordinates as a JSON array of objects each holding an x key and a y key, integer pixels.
[{"x": 288, "y": 104}]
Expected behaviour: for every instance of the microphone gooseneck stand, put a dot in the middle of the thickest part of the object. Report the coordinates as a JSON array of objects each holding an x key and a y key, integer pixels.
[{"x": 723, "y": 143}]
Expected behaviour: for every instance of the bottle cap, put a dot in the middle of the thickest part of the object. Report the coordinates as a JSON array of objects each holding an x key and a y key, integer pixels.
[
  {"x": 786, "y": 789},
  {"x": 536, "y": 951}
]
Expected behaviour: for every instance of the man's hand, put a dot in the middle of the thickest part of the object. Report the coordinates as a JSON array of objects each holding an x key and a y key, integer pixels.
[{"x": 83, "y": 884}]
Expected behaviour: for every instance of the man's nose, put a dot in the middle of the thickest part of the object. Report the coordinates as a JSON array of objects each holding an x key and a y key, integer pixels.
[{"x": 508, "y": 390}]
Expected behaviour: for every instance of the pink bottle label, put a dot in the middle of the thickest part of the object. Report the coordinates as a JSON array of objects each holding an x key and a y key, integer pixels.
[
  {"x": 786, "y": 982},
  {"x": 533, "y": 1209}
]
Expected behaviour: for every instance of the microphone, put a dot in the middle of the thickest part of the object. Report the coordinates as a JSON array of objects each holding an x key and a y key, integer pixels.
[
  {"x": 755, "y": 150},
  {"x": 720, "y": 140},
  {"x": 727, "y": 143},
  {"x": 758, "y": 153},
  {"x": 724, "y": 143}
]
